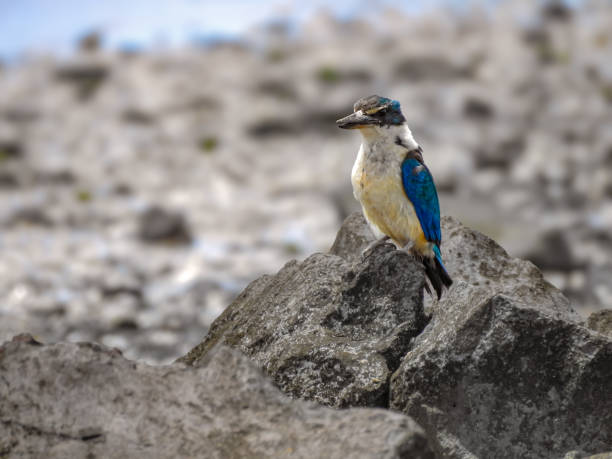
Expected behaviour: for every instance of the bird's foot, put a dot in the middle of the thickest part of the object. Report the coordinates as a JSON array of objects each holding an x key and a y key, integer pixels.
[
  {"x": 409, "y": 249},
  {"x": 372, "y": 245}
]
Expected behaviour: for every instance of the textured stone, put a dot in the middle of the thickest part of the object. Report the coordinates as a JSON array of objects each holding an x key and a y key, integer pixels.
[
  {"x": 601, "y": 321},
  {"x": 481, "y": 269},
  {"x": 582, "y": 455},
  {"x": 327, "y": 329},
  {"x": 161, "y": 225},
  {"x": 505, "y": 369},
  {"x": 354, "y": 236},
  {"x": 85, "y": 400}
]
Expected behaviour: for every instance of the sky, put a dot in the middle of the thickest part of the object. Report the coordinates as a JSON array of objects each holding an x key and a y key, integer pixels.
[{"x": 55, "y": 25}]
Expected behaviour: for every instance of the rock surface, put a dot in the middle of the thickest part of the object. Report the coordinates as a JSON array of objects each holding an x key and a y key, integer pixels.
[
  {"x": 85, "y": 400},
  {"x": 354, "y": 237},
  {"x": 500, "y": 378},
  {"x": 601, "y": 321},
  {"x": 328, "y": 329},
  {"x": 582, "y": 455},
  {"x": 160, "y": 225},
  {"x": 481, "y": 269},
  {"x": 505, "y": 367}
]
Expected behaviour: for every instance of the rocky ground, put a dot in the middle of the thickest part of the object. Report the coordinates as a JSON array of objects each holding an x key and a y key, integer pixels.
[
  {"x": 501, "y": 367},
  {"x": 141, "y": 192}
]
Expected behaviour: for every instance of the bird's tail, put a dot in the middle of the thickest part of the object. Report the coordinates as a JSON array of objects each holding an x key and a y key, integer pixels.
[{"x": 436, "y": 272}]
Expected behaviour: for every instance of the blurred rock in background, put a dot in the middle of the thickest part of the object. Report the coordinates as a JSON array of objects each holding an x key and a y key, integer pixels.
[{"x": 142, "y": 190}]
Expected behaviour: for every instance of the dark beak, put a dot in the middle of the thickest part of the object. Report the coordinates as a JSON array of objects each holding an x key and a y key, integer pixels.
[{"x": 356, "y": 120}]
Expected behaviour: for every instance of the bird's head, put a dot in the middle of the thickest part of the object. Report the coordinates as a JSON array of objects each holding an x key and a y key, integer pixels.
[{"x": 373, "y": 112}]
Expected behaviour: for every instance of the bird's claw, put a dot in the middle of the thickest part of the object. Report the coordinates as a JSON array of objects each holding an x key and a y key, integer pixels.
[
  {"x": 409, "y": 249},
  {"x": 372, "y": 245}
]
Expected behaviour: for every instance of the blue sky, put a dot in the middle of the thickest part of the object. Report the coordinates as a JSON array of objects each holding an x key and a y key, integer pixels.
[{"x": 54, "y": 25}]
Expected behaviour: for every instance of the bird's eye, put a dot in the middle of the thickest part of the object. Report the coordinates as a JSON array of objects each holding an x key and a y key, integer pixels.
[{"x": 375, "y": 110}]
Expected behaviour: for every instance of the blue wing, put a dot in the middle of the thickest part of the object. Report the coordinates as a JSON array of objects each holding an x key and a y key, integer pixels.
[{"x": 421, "y": 191}]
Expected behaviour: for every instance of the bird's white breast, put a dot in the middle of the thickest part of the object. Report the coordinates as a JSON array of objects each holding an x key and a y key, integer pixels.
[{"x": 377, "y": 185}]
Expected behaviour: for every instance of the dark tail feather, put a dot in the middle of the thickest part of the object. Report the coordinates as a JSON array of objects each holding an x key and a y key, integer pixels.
[{"x": 436, "y": 273}]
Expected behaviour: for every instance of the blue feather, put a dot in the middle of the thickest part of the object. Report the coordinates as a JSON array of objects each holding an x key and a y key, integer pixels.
[
  {"x": 421, "y": 191},
  {"x": 438, "y": 256}
]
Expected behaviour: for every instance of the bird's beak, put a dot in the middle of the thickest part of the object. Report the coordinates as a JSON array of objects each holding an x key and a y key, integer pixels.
[{"x": 356, "y": 120}]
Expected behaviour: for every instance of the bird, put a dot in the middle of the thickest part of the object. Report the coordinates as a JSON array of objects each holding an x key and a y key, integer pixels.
[{"x": 395, "y": 188}]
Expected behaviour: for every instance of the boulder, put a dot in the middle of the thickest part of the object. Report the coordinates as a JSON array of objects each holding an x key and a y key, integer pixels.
[
  {"x": 157, "y": 225},
  {"x": 354, "y": 236},
  {"x": 481, "y": 269},
  {"x": 505, "y": 368},
  {"x": 86, "y": 400},
  {"x": 329, "y": 329}
]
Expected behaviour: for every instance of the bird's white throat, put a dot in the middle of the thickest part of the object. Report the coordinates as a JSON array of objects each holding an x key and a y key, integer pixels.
[
  {"x": 386, "y": 143},
  {"x": 388, "y": 135}
]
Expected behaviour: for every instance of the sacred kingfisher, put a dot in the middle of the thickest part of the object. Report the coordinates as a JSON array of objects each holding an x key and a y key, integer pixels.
[{"x": 396, "y": 190}]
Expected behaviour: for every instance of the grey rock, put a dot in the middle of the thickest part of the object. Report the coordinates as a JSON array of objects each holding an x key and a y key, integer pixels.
[
  {"x": 601, "y": 321},
  {"x": 478, "y": 109},
  {"x": 328, "y": 329},
  {"x": 552, "y": 251},
  {"x": 420, "y": 68},
  {"x": 8, "y": 180},
  {"x": 582, "y": 455},
  {"x": 90, "y": 42},
  {"x": 82, "y": 72},
  {"x": 498, "y": 153},
  {"x": 56, "y": 177},
  {"x": 484, "y": 269},
  {"x": 86, "y": 400},
  {"x": 10, "y": 148},
  {"x": 160, "y": 225},
  {"x": 273, "y": 127},
  {"x": 354, "y": 236},
  {"x": 85, "y": 76},
  {"x": 21, "y": 114},
  {"x": 505, "y": 368},
  {"x": 277, "y": 88},
  {"x": 574, "y": 455},
  {"x": 30, "y": 215},
  {"x": 137, "y": 116},
  {"x": 556, "y": 10}
]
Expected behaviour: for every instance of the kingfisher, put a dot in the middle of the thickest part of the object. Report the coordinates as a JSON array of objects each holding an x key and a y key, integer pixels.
[{"x": 394, "y": 186}]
